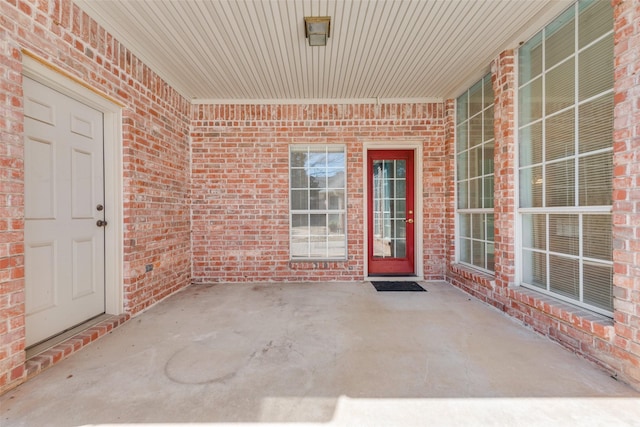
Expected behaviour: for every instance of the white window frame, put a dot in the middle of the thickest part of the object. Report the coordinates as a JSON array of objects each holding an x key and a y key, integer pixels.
[
  {"x": 484, "y": 211},
  {"x": 341, "y": 211},
  {"x": 579, "y": 211}
]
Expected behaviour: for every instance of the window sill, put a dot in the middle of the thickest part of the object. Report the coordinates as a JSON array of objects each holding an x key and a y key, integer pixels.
[
  {"x": 317, "y": 264},
  {"x": 579, "y": 318},
  {"x": 480, "y": 277}
]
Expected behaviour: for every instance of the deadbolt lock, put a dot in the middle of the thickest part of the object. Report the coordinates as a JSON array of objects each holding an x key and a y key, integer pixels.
[{"x": 99, "y": 208}]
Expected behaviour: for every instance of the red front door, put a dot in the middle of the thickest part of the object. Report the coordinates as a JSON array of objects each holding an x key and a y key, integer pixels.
[{"x": 391, "y": 210}]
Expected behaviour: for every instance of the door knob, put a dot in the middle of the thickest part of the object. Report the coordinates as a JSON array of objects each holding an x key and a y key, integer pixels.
[
  {"x": 101, "y": 223},
  {"x": 409, "y": 221}
]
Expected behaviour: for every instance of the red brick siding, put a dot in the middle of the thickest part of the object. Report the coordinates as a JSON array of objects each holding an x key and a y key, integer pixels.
[
  {"x": 11, "y": 214},
  {"x": 450, "y": 182},
  {"x": 155, "y": 160},
  {"x": 626, "y": 196},
  {"x": 240, "y": 185},
  {"x": 504, "y": 89}
]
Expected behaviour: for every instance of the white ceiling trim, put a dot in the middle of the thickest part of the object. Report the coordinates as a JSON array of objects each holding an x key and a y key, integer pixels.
[
  {"x": 318, "y": 101},
  {"x": 231, "y": 51}
]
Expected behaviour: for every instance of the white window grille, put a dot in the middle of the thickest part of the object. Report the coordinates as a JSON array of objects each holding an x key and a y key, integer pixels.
[
  {"x": 474, "y": 175},
  {"x": 317, "y": 202},
  {"x": 565, "y": 134}
]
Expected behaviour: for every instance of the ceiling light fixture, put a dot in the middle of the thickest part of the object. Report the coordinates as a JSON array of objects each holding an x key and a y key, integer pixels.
[{"x": 317, "y": 29}]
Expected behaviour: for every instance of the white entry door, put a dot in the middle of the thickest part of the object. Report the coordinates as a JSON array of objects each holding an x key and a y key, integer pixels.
[{"x": 64, "y": 212}]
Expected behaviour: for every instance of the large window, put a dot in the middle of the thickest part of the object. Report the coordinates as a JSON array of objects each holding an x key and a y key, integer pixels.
[
  {"x": 474, "y": 169},
  {"x": 318, "y": 205},
  {"x": 565, "y": 156}
]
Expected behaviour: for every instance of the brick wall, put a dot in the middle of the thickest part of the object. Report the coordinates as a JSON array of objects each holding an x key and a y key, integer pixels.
[
  {"x": 155, "y": 160},
  {"x": 240, "y": 185},
  {"x": 11, "y": 214},
  {"x": 626, "y": 195}
]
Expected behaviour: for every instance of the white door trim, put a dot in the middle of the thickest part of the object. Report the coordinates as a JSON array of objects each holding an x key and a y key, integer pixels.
[
  {"x": 48, "y": 76},
  {"x": 416, "y": 146}
]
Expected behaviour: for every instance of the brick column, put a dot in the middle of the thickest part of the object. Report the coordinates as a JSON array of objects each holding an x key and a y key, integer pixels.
[
  {"x": 504, "y": 86},
  {"x": 626, "y": 196},
  {"x": 12, "y": 355},
  {"x": 450, "y": 181}
]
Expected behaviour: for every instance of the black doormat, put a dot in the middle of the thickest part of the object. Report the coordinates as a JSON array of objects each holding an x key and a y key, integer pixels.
[{"x": 386, "y": 286}]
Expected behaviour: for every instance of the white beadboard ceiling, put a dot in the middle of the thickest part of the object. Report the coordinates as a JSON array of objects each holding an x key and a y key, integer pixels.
[{"x": 247, "y": 51}]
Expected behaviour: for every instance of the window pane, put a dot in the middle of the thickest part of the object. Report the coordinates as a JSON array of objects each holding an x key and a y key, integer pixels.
[
  {"x": 490, "y": 227},
  {"x": 488, "y": 123},
  {"x": 400, "y": 248},
  {"x": 475, "y": 162},
  {"x": 318, "y": 247},
  {"x": 335, "y": 199},
  {"x": 462, "y": 166},
  {"x": 597, "y": 237},
  {"x": 475, "y": 99},
  {"x": 487, "y": 201},
  {"x": 401, "y": 189},
  {"x": 560, "y": 36},
  {"x": 461, "y": 137},
  {"x": 530, "y": 59},
  {"x": 319, "y": 182},
  {"x": 564, "y": 234},
  {"x": 596, "y": 180},
  {"x": 531, "y": 187},
  {"x": 336, "y": 224},
  {"x": 463, "y": 194},
  {"x": 477, "y": 250},
  {"x": 318, "y": 224},
  {"x": 560, "y": 87},
  {"x": 299, "y": 199},
  {"x": 401, "y": 229},
  {"x": 560, "y": 184},
  {"x": 299, "y": 246},
  {"x": 299, "y": 178},
  {"x": 531, "y": 144},
  {"x": 465, "y": 250},
  {"x": 475, "y": 130},
  {"x": 564, "y": 276},
  {"x": 487, "y": 157},
  {"x": 475, "y": 193},
  {"x": 299, "y": 156},
  {"x": 487, "y": 92},
  {"x": 597, "y": 285},
  {"x": 596, "y": 68},
  {"x": 465, "y": 225},
  {"x": 301, "y": 223},
  {"x": 461, "y": 108},
  {"x": 560, "y": 136},
  {"x": 530, "y": 104},
  {"x": 534, "y": 268},
  {"x": 477, "y": 226},
  {"x": 335, "y": 179},
  {"x": 596, "y": 124},
  {"x": 594, "y": 21},
  {"x": 490, "y": 255},
  {"x": 534, "y": 231}
]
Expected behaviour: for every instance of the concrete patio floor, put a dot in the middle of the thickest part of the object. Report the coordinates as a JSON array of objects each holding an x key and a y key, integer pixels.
[{"x": 337, "y": 353}]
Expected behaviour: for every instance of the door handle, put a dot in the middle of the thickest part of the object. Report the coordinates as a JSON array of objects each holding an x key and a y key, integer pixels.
[
  {"x": 101, "y": 223},
  {"x": 409, "y": 221}
]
